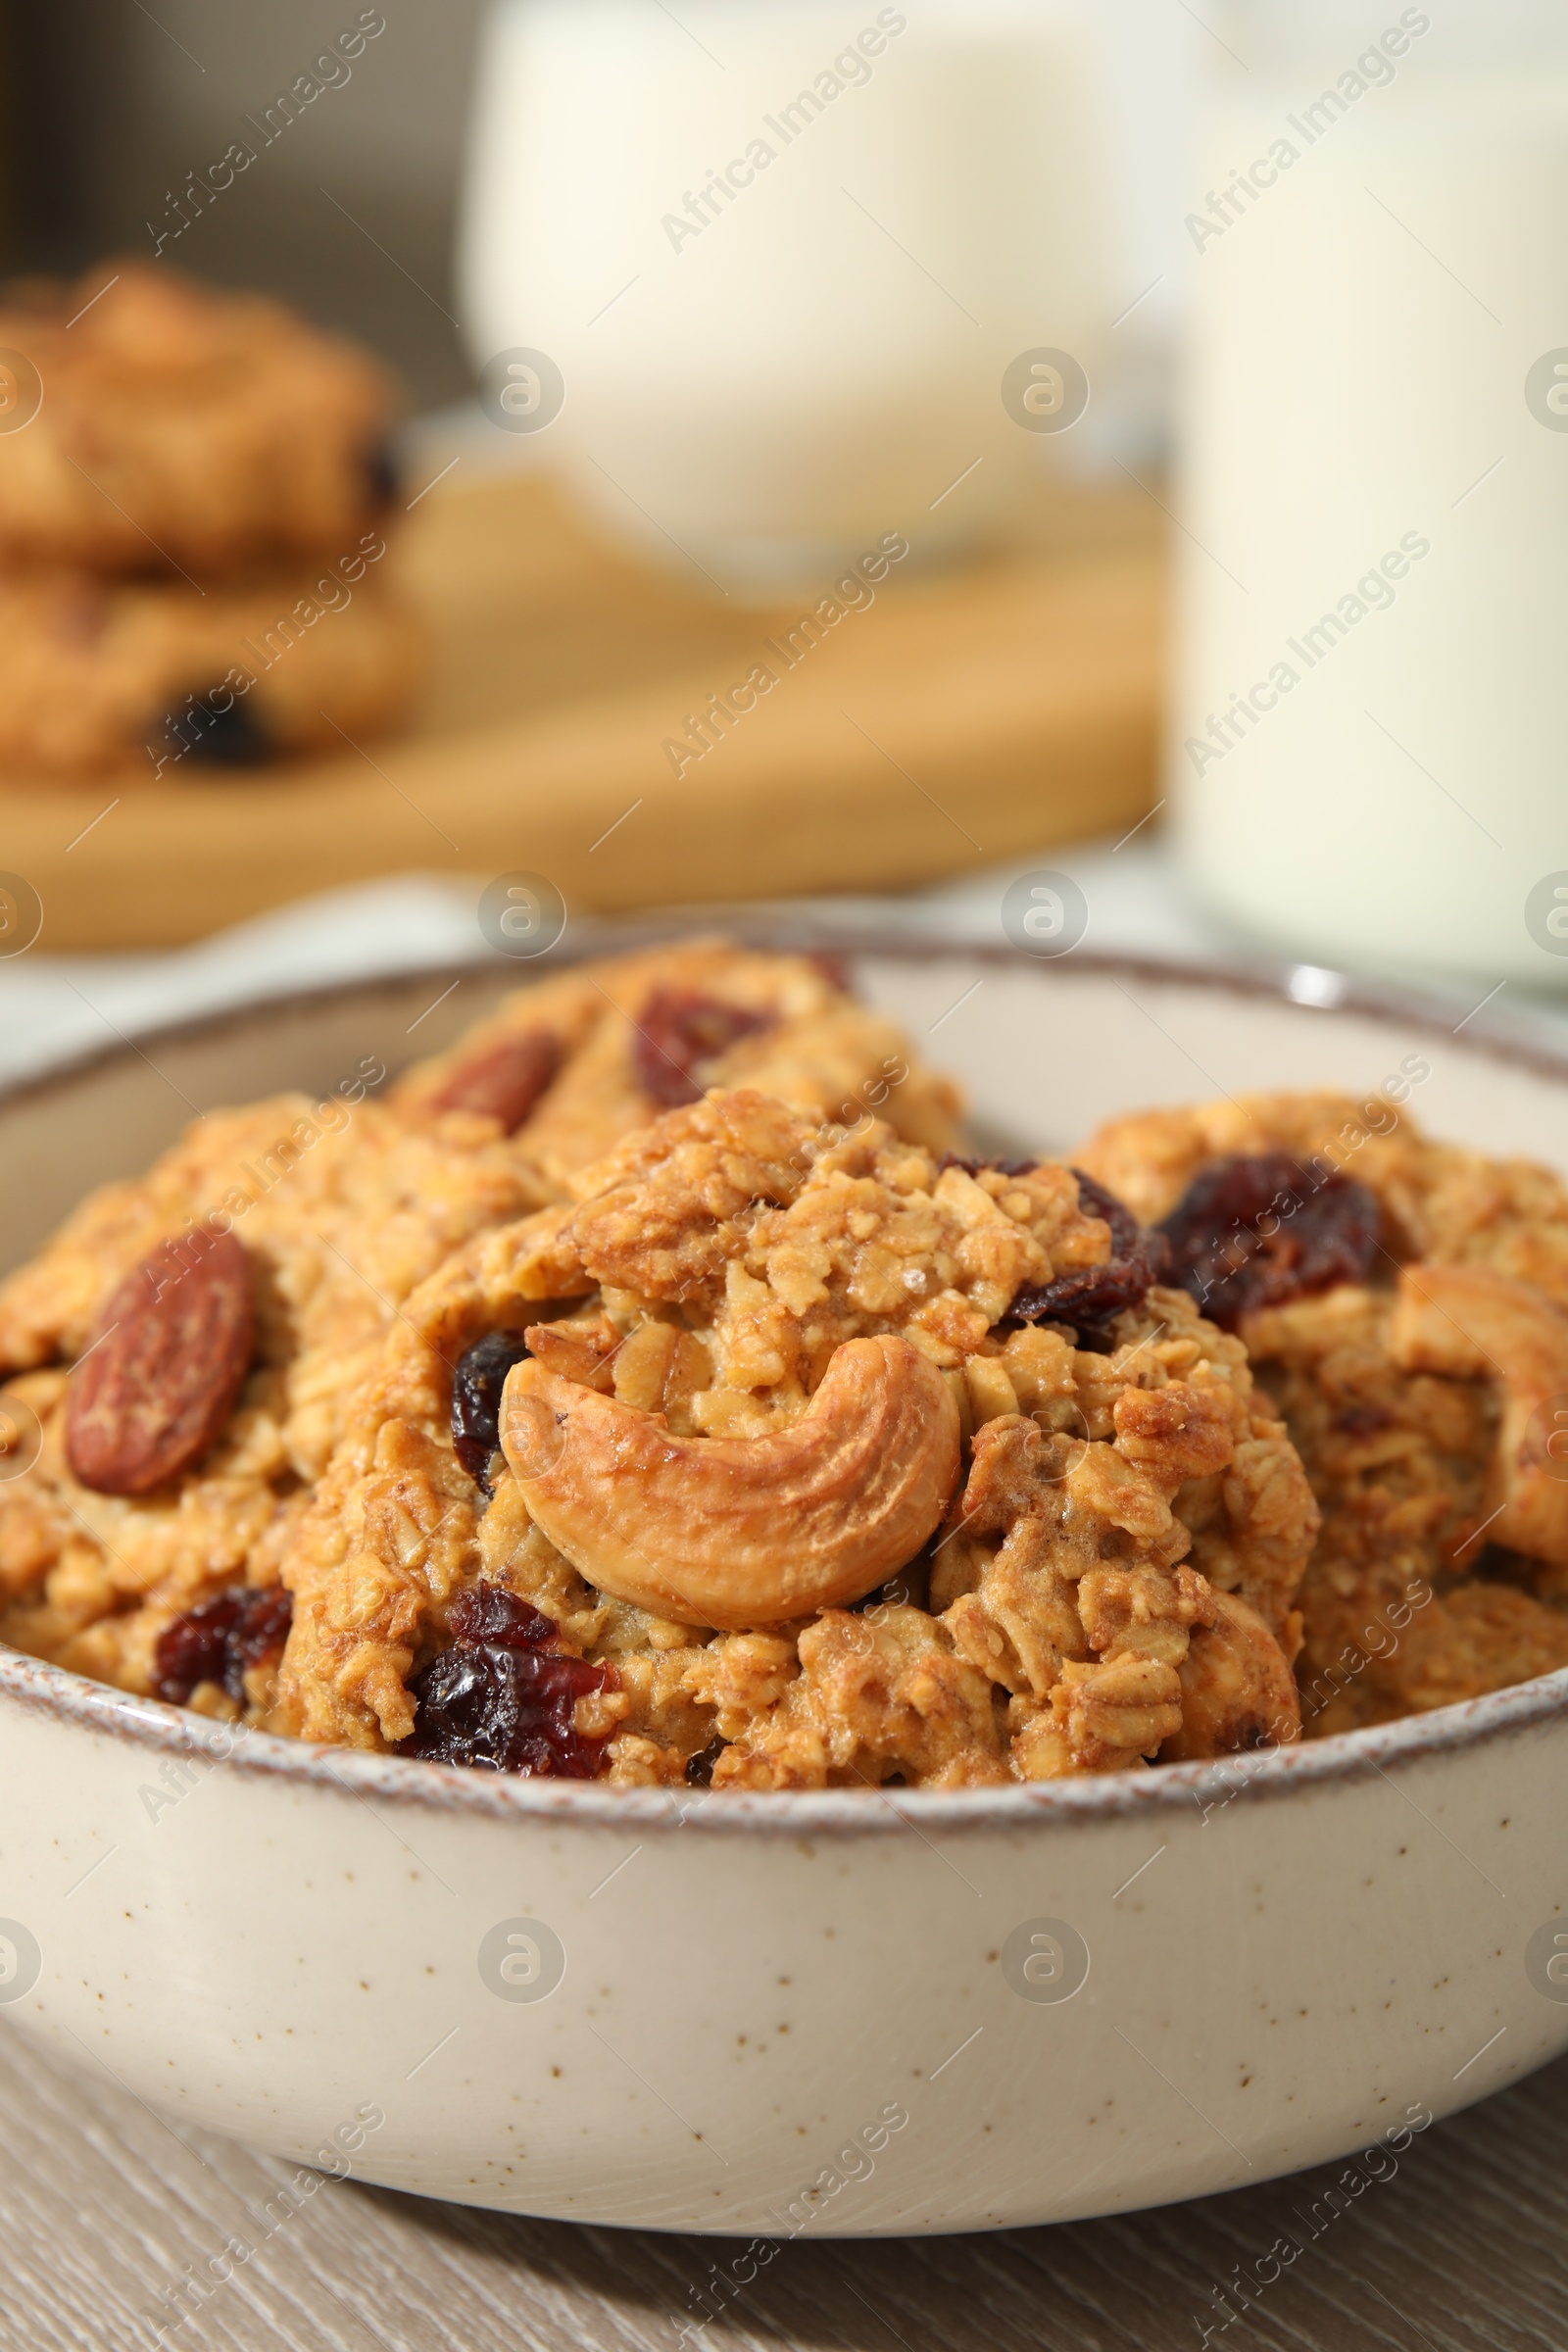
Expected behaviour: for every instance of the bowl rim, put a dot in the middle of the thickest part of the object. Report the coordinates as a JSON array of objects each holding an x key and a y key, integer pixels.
[
  {"x": 1300, "y": 986},
  {"x": 378, "y": 1778}
]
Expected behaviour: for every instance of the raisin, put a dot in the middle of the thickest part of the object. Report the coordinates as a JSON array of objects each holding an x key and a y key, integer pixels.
[
  {"x": 231, "y": 737},
  {"x": 978, "y": 1167},
  {"x": 382, "y": 476},
  {"x": 908, "y": 1589},
  {"x": 499, "y": 1699},
  {"x": 1325, "y": 1231},
  {"x": 700, "y": 1768},
  {"x": 490, "y": 1613},
  {"x": 678, "y": 1030},
  {"x": 476, "y": 1387},
  {"x": 235, "y": 738},
  {"x": 505, "y": 1081},
  {"x": 218, "y": 1639},
  {"x": 1362, "y": 1420},
  {"x": 1089, "y": 1296},
  {"x": 1249, "y": 1734}
]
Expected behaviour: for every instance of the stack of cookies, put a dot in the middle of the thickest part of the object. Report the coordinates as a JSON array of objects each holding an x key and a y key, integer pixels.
[{"x": 195, "y": 489}]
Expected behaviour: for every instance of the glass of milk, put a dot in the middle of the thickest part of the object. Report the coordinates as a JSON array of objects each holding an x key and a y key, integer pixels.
[
  {"x": 1370, "y": 713},
  {"x": 755, "y": 270}
]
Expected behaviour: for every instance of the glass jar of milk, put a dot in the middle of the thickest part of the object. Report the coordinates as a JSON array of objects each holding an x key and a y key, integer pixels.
[
  {"x": 1370, "y": 723},
  {"x": 777, "y": 256}
]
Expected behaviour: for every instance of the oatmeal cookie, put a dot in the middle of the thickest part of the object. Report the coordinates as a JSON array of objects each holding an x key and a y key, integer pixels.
[
  {"x": 181, "y": 426},
  {"x": 1099, "y": 1569},
  {"x": 1420, "y": 1390},
  {"x": 333, "y": 1212},
  {"x": 1396, "y": 1618},
  {"x": 105, "y": 677},
  {"x": 1439, "y": 1202},
  {"x": 572, "y": 1064}
]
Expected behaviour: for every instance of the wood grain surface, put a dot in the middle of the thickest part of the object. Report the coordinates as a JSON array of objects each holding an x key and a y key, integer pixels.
[
  {"x": 964, "y": 714},
  {"x": 105, "y": 2213}
]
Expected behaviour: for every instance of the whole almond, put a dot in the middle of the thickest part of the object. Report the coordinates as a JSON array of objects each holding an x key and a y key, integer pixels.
[
  {"x": 159, "y": 1382},
  {"x": 506, "y": 1080}
]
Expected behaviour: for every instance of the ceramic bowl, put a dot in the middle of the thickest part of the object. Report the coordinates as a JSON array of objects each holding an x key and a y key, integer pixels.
[{"x": 842, "y": 2013}]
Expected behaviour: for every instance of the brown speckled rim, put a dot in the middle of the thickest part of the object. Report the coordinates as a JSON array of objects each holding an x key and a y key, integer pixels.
[
  {"x": 1276, "y": 1774},
  {"x": 104, "y": 1712},
  {"x": 1487, "y": 1035}
]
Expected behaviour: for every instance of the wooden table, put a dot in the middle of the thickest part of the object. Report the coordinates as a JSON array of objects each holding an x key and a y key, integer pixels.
[
  {"x": 968, "y": 714},
  {"x": 102, "y": 2209}
]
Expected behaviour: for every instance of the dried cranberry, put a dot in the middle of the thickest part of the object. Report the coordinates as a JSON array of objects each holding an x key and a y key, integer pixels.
[
  {"x": 476, "y": 1387},
  {"x": 1090, "y": 1296},
  {"x": 498, "y": 1700},
  {"x": 678, "y": 1030},
  {"x": 218, "y": 1639},
  {"x": 506, "y": 1081},
  {"x": 1324, "y": 1230}
]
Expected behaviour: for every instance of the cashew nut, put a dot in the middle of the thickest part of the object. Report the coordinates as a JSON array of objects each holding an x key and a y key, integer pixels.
[
  {"x": 739, "y": 1532},
  {"x": 1472, "y": 1323},
  {"x": 1237, "y": 1691}
]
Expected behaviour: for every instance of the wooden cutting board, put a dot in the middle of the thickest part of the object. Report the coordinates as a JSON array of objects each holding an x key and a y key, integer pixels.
[{"x": 966, "y": 715}]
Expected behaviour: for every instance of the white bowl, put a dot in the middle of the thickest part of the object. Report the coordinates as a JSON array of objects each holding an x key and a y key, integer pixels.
[{"x": 856, "y": 2012}]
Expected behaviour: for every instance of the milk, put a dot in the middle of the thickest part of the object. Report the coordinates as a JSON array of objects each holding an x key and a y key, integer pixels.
[
  {"x": 782, "y": 255},
  {"x": 1370, "y": 710}
]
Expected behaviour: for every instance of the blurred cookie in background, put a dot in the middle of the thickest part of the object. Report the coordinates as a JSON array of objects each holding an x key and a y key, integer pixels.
[
  {"x": 100, "y": 676},
  {"x": 195, "y": 494},
  {"x": 155, "y": 423}
]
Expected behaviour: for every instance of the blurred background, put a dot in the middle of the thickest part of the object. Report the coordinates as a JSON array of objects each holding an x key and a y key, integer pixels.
[
  {"x": 1185, "y": 352},
  {"x": 108, "y": 109}
]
